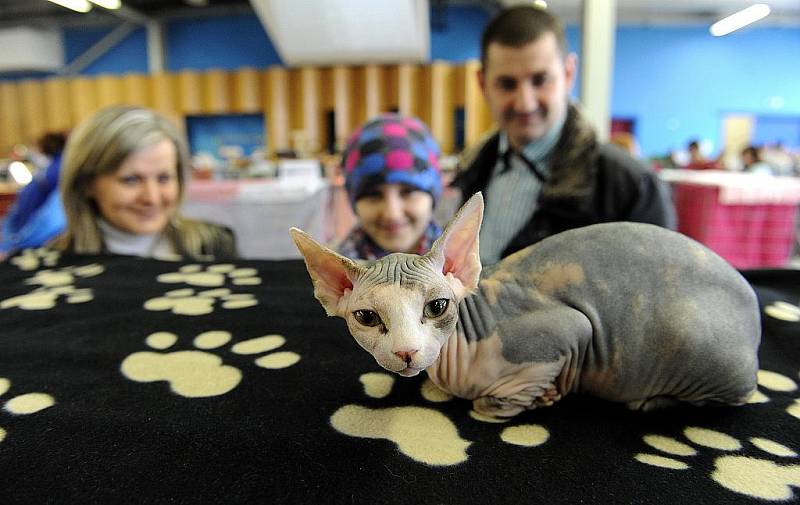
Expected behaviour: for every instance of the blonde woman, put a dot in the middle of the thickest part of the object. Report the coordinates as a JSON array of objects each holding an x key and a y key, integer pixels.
[{"x": 123, "y": 181}]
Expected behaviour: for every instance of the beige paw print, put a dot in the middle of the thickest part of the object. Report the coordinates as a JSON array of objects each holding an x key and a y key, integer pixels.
[
  {"x": 772, "y": 381},
  {"x": 212, "y": 276},
  {"x": 25, "y": 404},
  {"x": 187, "y": 302},
  {"x": 197, "y": 373},
  {"x": 66, "y": 276},
  {"x": 31, "y": 259},
  {"x": 55, "y": 284},
  {"x": 784, "y": 311},
  {"x": 760, "y": 478},
  {"x": 421, "y": 433},
  {"x": 47, "y": 298}
]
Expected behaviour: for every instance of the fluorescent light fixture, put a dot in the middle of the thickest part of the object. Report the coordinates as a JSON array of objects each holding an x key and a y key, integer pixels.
[
  {"x": 108, "y": 4},
  {"x": 739, "y": 19},
  {"x": 76, "y": 5},
  {"x": 541, "y": 4},
  {"x": 20, "y": 173}
]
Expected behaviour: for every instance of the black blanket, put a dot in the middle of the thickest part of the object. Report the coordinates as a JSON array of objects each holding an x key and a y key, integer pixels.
[{"x": 138, "y": 381}]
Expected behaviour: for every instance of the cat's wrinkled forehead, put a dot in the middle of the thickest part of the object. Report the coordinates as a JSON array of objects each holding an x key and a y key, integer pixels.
[{"x": 407, "y": 270}]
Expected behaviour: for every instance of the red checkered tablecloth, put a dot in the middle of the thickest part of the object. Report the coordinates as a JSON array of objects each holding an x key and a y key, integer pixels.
[{"x": 746, "y": 235}]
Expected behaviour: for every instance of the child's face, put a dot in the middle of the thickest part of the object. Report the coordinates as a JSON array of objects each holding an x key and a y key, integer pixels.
[{"x": 395, "y": 216}]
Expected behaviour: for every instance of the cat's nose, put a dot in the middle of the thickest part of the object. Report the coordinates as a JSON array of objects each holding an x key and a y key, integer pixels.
[{"x": 406, "y": 356}]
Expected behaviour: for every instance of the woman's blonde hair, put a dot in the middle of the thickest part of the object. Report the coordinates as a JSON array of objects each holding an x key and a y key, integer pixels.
[{"x": 99, "y": 146}]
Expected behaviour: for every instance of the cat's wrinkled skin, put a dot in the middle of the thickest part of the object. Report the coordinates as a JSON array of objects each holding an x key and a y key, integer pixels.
[{"x": 625, "y": 311}]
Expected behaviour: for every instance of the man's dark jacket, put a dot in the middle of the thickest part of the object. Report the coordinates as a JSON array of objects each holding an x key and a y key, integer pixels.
[{"x": 589, "y": 183}]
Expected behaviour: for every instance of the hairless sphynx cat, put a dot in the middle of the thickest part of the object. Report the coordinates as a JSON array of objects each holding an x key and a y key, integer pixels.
[{"x": 628, "y": 312}]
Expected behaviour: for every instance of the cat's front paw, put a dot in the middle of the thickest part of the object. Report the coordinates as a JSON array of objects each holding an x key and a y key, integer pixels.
[
  {"x": 493, "y": 406},
  {"x": 549, "y": 397}
]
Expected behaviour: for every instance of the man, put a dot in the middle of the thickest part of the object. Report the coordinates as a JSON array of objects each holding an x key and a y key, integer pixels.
[{"x": 545, "y": 171}]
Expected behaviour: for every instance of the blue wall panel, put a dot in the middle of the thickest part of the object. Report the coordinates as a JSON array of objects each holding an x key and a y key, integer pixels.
[
  {"x": 225, "y": 42},
  {"x": 679, "y": 83},
  {"x": 459, "y": 38},
  {"x": 129, "y": 55}
]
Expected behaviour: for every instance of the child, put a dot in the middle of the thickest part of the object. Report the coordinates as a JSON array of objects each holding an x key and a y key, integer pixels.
[{"x": 393, "y": 180}]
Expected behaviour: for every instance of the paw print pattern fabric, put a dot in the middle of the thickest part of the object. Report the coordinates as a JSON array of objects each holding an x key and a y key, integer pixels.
[{"x": 129, "y": 380}]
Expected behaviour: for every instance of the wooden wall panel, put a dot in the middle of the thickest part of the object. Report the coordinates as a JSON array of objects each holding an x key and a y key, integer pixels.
[
  {"x": 109, "y": 91},
  {"x": 34, "y": 118},
  {"x": 278, "y": 119},
  {"x": 297, "y": 104},
  {"x": 83, "y": 100},
  {"x": 246, "y": 91},
  {"x": 163, "y": 92},
  {"x": 358, "y": 112},
  {"x": 327, "y": 134},
  {"x": 216, "y": 86},
  {"x": 423, "y": 88},
  {"x": 477, "y": 119},
  {"x": 189, "y": 92},
  {"x": 442, "y": 114},
  {"x": 460, "y": 84},
  {"x": 392, "y": 93},
  {"x": 136, "y": 90},
  {"x": 374, "y": 90},
  {"x": 312, "y": 112},
  {"x": 10, "y": 116},
  {"x": 163, "y": 98},
  {"x": 343, "y": 104},
  {"x": 407, "y": 89},
  {"x": 57, "y": 105}
]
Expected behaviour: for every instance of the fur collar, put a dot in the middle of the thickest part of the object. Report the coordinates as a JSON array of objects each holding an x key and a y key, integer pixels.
[{"x": 572, "y": 168}]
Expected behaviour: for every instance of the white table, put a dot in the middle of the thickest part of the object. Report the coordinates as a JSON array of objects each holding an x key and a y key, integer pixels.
[{"x": 261, "y": 211}]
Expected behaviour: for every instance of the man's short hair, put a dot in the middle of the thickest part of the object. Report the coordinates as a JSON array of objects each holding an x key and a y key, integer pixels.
[{"x": 519, "y": 26}]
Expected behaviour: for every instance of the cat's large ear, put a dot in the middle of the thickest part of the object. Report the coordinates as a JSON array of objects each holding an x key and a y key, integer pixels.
[
  {"x": 456, "y": 251},
  {"x": 332, "y": 274}
]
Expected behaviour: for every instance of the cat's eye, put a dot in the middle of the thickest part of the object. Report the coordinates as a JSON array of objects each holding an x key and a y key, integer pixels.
[
  {"x": 367, "y": 317},
  {"x": 436, "y": 308}
]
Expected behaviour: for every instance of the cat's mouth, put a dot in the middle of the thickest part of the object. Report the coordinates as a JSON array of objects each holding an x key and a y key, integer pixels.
[{"x": 410, "y": 371}]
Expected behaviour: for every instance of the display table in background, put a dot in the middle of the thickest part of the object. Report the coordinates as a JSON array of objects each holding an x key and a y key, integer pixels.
[
  {"x": 260, "y": 212},
  {"x": 748, "y": 219}
]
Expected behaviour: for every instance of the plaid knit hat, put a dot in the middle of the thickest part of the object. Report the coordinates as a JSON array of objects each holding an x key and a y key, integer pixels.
[{"x": 391, "y": 149}]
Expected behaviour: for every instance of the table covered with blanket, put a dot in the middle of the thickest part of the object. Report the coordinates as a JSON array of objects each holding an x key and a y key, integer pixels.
[{"x": 126, "y": 380}]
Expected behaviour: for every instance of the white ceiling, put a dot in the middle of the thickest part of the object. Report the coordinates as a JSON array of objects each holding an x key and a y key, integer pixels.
[
  {"x": 362, "y": 31},
  {"x": 660, "y": 12},
  {"x": 311, "y": 32}
]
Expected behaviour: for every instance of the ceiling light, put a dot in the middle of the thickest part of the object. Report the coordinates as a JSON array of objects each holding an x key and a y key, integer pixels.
[
  {"x": 739, "y": 19},
  {"x": 76, "y": 5},
  {"x": 108, "y": 4},
  {"x": 20, "y": 173}
]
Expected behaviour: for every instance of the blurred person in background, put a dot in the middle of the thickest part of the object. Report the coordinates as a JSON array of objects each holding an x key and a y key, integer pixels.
[
  {"x": 697, "y": 160},
  {"x": 37, "y": 215},
  {"x": 545, "y": 171},
  {"x": 626, "y": 142},
  {"x": 781, "y": 160},
  {"x": 752, "y": 162},
  {"x": 393, "y": 181},
  {"x": 123, "y": 180}
]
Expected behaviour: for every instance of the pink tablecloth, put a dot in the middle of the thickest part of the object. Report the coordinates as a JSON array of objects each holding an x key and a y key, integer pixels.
[{"x": 747, "y": 235}]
